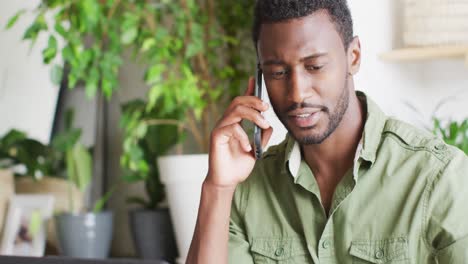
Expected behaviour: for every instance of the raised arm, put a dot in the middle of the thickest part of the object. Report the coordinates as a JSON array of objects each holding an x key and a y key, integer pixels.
[{"x": 231, "y": 161}]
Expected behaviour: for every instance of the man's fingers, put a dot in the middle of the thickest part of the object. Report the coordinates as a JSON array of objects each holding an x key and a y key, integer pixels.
[
  {"x": 241, "y": 112},
  {"x": 225, "y": 135},
  {"x": 250, "y": 101},
  {"x": 266, "y": 135}
]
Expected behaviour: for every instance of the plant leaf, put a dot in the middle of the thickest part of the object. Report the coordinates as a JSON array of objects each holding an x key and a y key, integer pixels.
[
  {"x": 33, "y": 31},
  {"x": 50, "y": 52},
  {"x": 129, "y": 35},
  {"x": 56, "y": 74},
  {"x": 132, "y": 178},
  {"x": 99, "y": 205},
  {"x": 137, "y": 200},
  {"x": 83, "y": 166},
  {"x": 148, "y": 44},
  {"x": 13, "y": 19}
]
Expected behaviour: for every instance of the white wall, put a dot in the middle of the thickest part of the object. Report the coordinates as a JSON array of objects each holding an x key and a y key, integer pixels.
[
  {"x": 27, "y": 96},
  {"x": 424, "y": 84}
]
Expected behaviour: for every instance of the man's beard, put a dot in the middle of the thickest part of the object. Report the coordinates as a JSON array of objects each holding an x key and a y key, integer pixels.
[{"x": 334, "y": 119}]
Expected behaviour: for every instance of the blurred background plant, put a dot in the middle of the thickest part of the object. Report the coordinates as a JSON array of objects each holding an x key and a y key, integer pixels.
[
  {"x": 453, "y": 132},
  {"x": 197, "y": 58},
  {"x": 191, "y": 49},
  {"x": 65, "y": 158},
  {"x": 28, "y": 157},
  {"x": 153, "y": 141},
  {"x": 75, "y": 159}
]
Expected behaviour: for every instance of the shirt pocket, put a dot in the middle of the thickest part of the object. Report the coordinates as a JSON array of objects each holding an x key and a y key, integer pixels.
[
  {"x": 279, "y": 250},
  {"x": 391, "y": 250}
]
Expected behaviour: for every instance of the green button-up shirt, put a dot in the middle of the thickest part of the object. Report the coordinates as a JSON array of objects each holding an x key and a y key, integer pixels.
[{"x": 404, "y": 201}]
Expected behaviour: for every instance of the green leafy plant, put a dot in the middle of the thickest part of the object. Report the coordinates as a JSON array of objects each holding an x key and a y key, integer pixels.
[
  {"x": 77, "y": 158},
  {"x": 453, "y": 133},
  {"x": 37, "y": 159},
  {"x": 194, "y": 51},
  {"x": 198, "y": 63},
  {"x": 197, "y": 56},
  {"x": 78, "y": 161},
  {"x": 151, "y": 141},
  {"x": 64, "y": 157}
]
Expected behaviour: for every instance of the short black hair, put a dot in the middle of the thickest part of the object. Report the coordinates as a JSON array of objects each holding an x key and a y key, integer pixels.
[{"x": 272, "y": 11}]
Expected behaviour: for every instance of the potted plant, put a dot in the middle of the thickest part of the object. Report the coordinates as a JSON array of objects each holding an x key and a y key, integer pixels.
[
  {"x": 151, "y": 224},
  {"x": 36, "y": 167},
  {"x": 197, "y": 55},
  {"x": 81, "y": 233},
  {"x": 212, "y": 66},
  {"x": 70, "y": 163}
]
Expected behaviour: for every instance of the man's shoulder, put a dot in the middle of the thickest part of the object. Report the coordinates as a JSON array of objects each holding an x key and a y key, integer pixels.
[
  {"x": 407, "y": 133},
  {"x": 413, "y": 139}
]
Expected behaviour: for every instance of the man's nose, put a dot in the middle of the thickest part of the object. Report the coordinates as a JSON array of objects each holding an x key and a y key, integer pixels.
[{"x": 300, "y": 87}]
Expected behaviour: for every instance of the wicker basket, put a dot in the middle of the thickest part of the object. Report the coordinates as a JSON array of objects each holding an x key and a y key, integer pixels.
[{"x": 435, "y": 22}]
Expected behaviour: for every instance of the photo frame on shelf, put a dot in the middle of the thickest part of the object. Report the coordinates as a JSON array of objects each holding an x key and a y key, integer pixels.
[{"x": 25, "y": 228}]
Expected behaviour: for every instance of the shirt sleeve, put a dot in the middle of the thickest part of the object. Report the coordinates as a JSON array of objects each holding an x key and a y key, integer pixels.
[
  {"x": 447, "y": 211},
  {"x": 239, "y": 247}
]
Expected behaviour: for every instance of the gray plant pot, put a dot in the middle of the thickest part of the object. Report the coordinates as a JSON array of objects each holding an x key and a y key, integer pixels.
[
  {"x": 84, "y": 235},
  {"x": 153, "y": 234}
]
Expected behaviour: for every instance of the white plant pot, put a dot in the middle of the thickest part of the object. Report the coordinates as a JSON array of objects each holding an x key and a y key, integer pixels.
[{"x": 183, "y": 176}]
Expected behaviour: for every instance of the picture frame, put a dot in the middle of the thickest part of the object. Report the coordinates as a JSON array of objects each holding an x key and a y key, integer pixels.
[{"x": 25, "y": 228}]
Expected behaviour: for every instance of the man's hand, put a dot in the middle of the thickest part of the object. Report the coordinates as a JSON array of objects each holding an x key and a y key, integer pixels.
[
  {"x": 231, "y": 155},
  {"x": 231, "y": 162}
]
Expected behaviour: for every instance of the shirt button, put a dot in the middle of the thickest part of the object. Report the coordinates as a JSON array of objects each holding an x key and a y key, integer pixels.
[
  {"x": 379, "y": 254},
  {"x": 440, "y": 147},
  {"x": 279, "y": 252},
  {"x": 326, "y": 244}
]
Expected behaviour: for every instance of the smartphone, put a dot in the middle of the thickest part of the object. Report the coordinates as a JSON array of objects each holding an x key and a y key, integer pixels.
[{"x": 257, "y": 130}]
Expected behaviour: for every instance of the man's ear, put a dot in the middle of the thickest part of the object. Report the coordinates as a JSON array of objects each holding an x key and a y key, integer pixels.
[{"x": 354, "y": 56}]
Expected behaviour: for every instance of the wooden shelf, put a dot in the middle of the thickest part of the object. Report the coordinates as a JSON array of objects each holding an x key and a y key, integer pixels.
[{"x": 426, "y": 53}]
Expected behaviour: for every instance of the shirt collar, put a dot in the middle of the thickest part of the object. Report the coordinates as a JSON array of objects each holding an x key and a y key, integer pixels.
[
  {"x": 367, "y": 147},
  {"x": 373, "y": 129}
]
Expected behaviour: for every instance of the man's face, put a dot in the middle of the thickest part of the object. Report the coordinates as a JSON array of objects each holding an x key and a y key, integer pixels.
[{"x": 305, "y": 69}]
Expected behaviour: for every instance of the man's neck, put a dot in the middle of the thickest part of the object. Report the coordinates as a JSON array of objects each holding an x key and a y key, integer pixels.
[{"x": 335, "y": 156}]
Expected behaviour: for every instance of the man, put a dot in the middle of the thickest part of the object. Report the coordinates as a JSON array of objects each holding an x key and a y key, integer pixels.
[{"x": 348, "y": 185}]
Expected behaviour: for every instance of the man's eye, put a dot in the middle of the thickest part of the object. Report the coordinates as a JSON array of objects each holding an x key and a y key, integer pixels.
[
  {"x": 278, "y": 74},
  {"x": 313, "y": 67}
]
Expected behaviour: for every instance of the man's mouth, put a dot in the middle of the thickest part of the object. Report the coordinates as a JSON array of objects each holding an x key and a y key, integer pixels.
[
  {"x": 303, "y": 115},
  {"x": 305, "y": 119}
]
